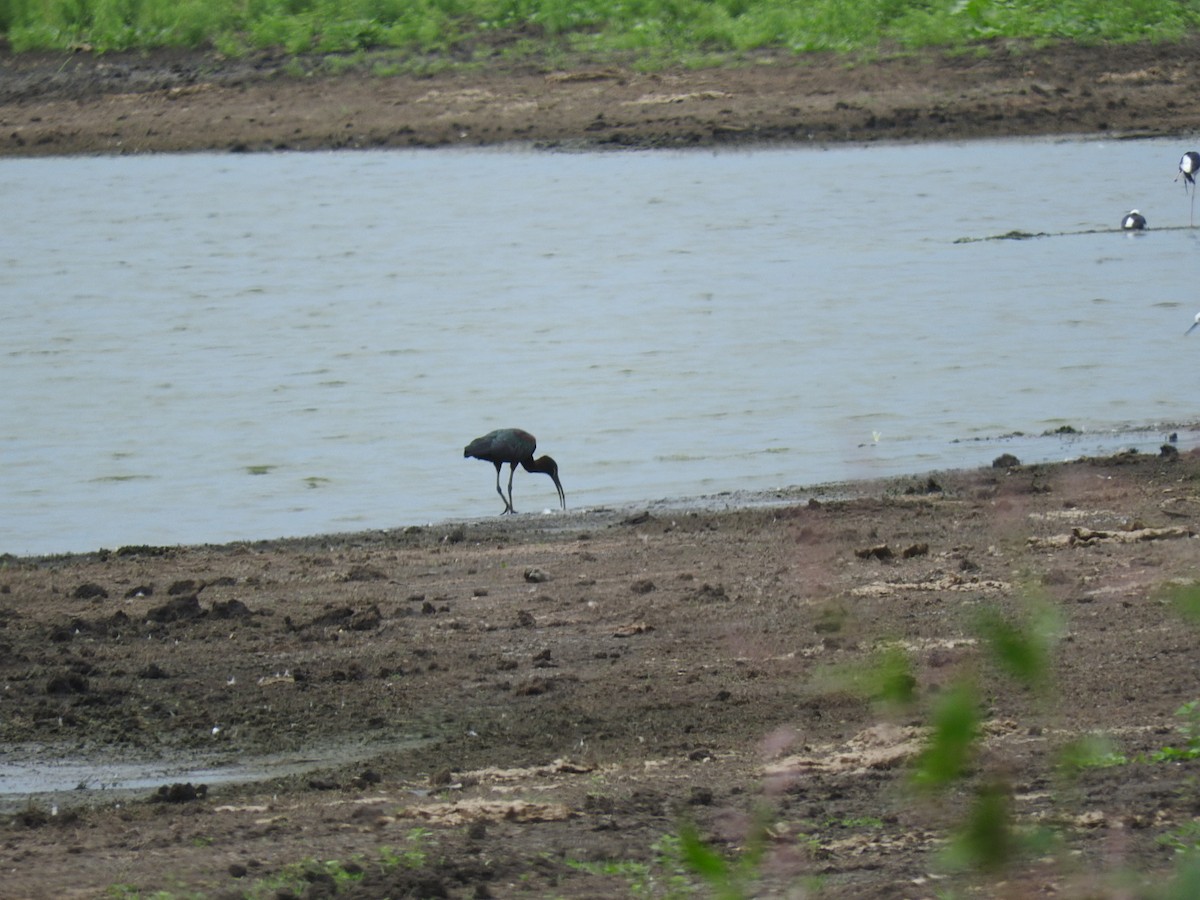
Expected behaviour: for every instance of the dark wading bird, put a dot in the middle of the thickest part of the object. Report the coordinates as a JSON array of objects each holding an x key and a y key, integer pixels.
[
  {"x": 1189, "y": 165},
  {"x": 515, "y": 447}
]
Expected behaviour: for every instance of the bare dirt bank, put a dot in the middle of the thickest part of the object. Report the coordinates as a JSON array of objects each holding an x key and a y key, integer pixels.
[
  {"x": 174, "y": 101},
  {"x": 518, "y": 707}
]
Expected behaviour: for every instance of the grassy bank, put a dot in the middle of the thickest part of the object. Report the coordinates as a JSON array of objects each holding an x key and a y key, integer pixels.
[{"x": 676, "y": 29}]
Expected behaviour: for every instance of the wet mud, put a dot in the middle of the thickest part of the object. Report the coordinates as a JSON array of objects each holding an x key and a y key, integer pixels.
[
  {"x": 184, "y": 101},
  {"x": 542, "y": 705}
]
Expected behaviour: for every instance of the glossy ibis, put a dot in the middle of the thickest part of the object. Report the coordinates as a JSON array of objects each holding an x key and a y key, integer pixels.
[
  {"x": 1133, "y": 221},
  {"x": 515, "y": 447},
  {"x": 1189, "y": 165}
]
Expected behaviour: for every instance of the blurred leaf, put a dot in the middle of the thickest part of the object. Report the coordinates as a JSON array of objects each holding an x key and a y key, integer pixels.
[
  {"x": 1190, "y": 729},
  {"x": 1185, "y": 600},
  {"x": 1022, "y": 648},
  {"x": 987, "y": 842},
  {"x": 886, "y": 678},
  {"x": 701, "y": 858},
  {"x": 955, "y": 728},
  {"x": 896, "y": 684},
  {"x": 1186, "y": 883},
  {"x": 1090, "y": 751},
  {"x": 728, "y": 879}
]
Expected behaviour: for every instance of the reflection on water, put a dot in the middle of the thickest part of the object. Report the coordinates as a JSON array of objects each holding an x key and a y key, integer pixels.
[{"x": 203, "y": 348}]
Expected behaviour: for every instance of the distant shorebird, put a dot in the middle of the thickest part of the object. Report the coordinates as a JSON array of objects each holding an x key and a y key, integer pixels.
[
  {"x": 1194, "y": 325},
  {"x": 515, "y": 447},
  {"x": 1189, "y": 165},
  {"x": 1133, "y": 221}
]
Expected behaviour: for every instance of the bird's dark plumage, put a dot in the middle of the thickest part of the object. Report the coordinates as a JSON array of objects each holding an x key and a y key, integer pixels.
[
  {"x": 1133, "y": 221},
  {"x": 515, "y": 447}
]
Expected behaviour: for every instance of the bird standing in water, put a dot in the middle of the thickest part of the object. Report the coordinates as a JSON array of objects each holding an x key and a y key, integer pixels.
[
  {"x": 1133, "y": 221},
  {"x": 1189, "y": 165},
  {"x": 515, "y": 447}
]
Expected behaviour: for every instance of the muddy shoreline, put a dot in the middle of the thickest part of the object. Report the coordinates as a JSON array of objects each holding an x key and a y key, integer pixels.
[
  {"x": 523, "y": 706},
  {"x": 175, "y": 101}
]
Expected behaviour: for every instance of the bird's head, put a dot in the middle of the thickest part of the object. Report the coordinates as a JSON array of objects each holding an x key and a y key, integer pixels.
[{"x": 548, "y": 466}]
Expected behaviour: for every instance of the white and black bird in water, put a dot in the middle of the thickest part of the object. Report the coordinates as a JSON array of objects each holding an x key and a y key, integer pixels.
[
  {"x": 1133, "y": 221},
  {"x": 1195, "y": 325},
  {"x": 1189, "y": 165},
  {"x": 515, "y": 447}
]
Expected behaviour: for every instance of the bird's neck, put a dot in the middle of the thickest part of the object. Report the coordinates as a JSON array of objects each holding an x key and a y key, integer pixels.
[{"x": 541, "y": 464}]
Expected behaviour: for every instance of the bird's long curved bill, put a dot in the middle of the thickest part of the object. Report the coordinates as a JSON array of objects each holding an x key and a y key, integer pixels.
[
  {"x": 1195, "y": 325},
  {"x": 562, "y": 497}
]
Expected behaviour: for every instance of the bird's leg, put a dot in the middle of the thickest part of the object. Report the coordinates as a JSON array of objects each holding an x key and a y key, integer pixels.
[
  {"x": 512, "y": 470},
  {"x": 507, "y": 505}
]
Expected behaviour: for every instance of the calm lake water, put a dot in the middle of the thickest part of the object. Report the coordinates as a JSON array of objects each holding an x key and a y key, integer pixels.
[{"x": 201, "y": 348}]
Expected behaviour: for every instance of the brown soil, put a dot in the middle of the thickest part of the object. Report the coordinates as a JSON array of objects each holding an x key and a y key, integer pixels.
[
  {"x": 541, "y": 695},
  {"x": 502, "y": 708},
  {"x": 55, "y": 104}
]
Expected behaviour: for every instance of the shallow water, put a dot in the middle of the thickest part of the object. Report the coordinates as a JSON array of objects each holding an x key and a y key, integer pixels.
[
  {"x": 201, "y": 348},
  {"x": 31, "y": 773}
]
